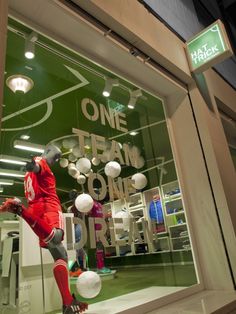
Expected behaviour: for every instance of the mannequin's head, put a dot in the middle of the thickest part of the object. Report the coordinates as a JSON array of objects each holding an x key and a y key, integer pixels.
[
  {"x": 52, "y": 154},
  {"x": 156, "y": 197}
]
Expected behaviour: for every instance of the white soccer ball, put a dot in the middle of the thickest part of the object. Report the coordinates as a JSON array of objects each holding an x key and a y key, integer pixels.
[
  {"x": 139, "y": 162},
  {"x": 95, "y": 161},
  {"x": 126, "y": 220},
  {"x": 106, "y": 156},
  {"x": 81, "y": 179},
  {"x": 72, "y": 157},
  {"x": 83, "y": 165},
  {"x": 84, "y": 203},
  {"x": 73, "y": 172},
  {"x": 77, "y": 151},
  {"x": 71, "y": 165},
  {"x": 112, "y": 169},
  {"x": 140, "y": 181},
  {"x": 63, "y": 162},
  {"x": 69, "y": 143},
  {"x": 89, "y": 284}
]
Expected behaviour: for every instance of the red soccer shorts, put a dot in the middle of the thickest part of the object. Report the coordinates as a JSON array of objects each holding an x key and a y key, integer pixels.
[{"x": 50, "y": 213}]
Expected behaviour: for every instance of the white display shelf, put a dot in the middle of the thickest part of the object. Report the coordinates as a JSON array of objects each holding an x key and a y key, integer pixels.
[
  {"x": 136, "y": 207},
  {"x": 136, "y": 210},
  {"x": 176, "y": 213},
  {"x": 172, "y": 198},
  {"x": 181, "y": 237},
  {"x": 179, "y": 225}
]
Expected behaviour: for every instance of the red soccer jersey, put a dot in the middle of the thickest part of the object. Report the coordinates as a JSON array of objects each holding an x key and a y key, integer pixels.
[{"x": 41, "y": 186}]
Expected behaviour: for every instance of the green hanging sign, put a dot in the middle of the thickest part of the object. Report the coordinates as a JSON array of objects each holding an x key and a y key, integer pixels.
[{"x": 208, "y": 48}]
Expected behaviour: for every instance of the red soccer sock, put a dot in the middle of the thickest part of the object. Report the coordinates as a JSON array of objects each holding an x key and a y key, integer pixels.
[
  {"x": 61, "y": 275},
  {"x": 40, "y": 227}
]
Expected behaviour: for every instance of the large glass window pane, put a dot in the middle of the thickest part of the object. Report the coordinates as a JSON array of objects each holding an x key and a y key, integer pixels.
[{"x": 115, "y": 151}]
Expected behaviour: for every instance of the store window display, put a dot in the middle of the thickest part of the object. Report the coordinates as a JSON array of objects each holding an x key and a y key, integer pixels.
[{"x": 117, "y": 158}]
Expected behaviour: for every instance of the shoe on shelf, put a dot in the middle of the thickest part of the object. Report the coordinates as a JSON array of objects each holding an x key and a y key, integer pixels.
[
  {"x": 76, "y": 273},
  {"x": 140, "y": 219},
  {"x": 104, "y": 270},
  {"x": 75, "y": 307}
]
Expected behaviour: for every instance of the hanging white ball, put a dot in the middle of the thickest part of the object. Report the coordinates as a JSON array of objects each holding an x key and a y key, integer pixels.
[
  {"x": 125, "y": 220},
  {"x": 72, "y": 157},
  {"x": 63, "y": 162},
  {"x": 95, "y": 161},
  {"x": 139, "y": 162},
  {"x": 89, "y": 284},
  {"x": 140, "y": 181},
  {"x": 84, "y": 203},
  {"x": 135, "y": 151},
  {"x": 106, "y": 156},
  {"x": 73, "y": 172},
  {"x": 81, "y": 179},
  {"x": 112, "y": 169},
  {"x": 65, "y": 143},
  {"x": 69, "y": 143},
  {"x": 77, "y": 151},
  {"x": 71, "y": 165},
  {"x": 88, "y": 173},
  {"x": 83, "y": 165}
]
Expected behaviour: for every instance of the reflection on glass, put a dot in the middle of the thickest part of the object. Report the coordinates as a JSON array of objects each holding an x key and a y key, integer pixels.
[{"x": 135, "y": 234}]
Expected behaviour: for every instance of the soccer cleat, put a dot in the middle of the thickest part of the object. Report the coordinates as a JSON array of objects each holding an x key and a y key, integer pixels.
[
  {"x": 12, "y": 205},
  {"x": 104, "y": 270},
  {"x": 76, "y": 273},
  {"x": 75, "y": 307}
]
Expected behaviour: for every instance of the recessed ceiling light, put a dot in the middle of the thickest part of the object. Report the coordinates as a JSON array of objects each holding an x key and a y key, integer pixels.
[
  {"x": 133, "y": 133},
  {"x": 28, "y": 68},
  {"x": 24, "y": 137},
  {"x": 30, "y": 45},
  {"x": 109, "y": 83},
  {"x": 134, "y": 95},
  {"x": 19, "y": 83},
  {"x": 29, "y": 146}
]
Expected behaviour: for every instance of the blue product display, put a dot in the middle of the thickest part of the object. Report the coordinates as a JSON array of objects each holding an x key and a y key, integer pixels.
[{"x": 155, "y": 211}]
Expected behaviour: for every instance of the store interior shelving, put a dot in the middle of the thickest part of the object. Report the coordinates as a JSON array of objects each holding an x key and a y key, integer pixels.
[{"x": 162, "y": 208}]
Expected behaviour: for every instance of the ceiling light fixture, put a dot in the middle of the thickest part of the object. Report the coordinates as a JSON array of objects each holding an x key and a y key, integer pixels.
[
  {"x": 109, "y": 83},
  {"x": 30, "y": 45},
  {"x": 133, "y": 133},
  {"x": 134, "y": 95},
  {"x": 19, "y": 83},
  {"x": 29, "y": 146},
  {"x": 13, "y": 160},
  {"x": 24, "y": 137},
  {"x": 6, "y": 182},
  {"x": 1, "y": 189},
  {"x": 11, "y": 173}
]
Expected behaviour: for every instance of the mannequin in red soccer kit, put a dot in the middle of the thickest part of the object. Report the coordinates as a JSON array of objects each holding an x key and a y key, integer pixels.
[{"x": 44, "y": 216}]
